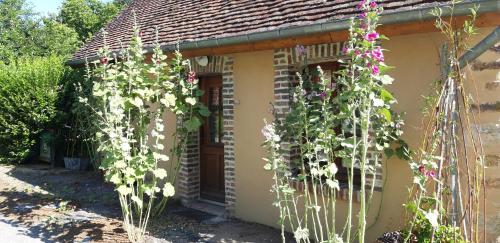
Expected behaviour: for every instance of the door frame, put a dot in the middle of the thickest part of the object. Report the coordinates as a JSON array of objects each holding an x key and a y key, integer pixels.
[
  {"x": 205, "y": 147},
  {"x": 188, "y": 184}
]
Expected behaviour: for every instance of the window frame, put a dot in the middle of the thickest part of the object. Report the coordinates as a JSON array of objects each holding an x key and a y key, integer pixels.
[{"x": 342, "y": 173}]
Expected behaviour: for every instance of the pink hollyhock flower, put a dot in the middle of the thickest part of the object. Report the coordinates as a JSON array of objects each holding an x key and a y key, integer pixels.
[
  {"x": 373, "y": 4},
  {"x": 366, "y": 54},
  {"x": 431, "y": 174},
  {"x": 300, "y": 49},
  {"x": 375, "y": 70},
  {"x": 371, "y": 36},
  {"x": 191, "y": 77},
  {"x": 377, "y": 54},
  {"x": 103, "y": 60},
  {"x": 357, "y": 52},
  {"x": 360, "y": 5},
  {"x": 362, "y": 15}
]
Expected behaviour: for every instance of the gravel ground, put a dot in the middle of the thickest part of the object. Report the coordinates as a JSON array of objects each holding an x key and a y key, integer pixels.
[{"x": 38, "y": 204}]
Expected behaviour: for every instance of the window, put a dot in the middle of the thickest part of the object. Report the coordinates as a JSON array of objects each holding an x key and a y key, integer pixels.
[
  {"x": 215, "y": 122},
  {"x": 311, "y": 73}
]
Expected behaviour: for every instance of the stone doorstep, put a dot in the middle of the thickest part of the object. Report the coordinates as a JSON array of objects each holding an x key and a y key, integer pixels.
[{"x": 208, "y": 207}]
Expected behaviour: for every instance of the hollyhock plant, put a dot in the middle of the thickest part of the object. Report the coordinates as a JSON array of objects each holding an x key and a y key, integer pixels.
[
  {"x": 361, "y": 109},
  {"x": 131, "y": 133}
]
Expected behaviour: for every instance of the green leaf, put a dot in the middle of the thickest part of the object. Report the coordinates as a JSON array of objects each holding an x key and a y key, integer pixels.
[
  {"x": 199, "y": 92},
  {"x": 124, "y": 190},
  {"x": 116, "y": 179},
  {"x": 204, "y": 111},
  {"x": 193, "y": 124},
  {"x": 386, "y": 95},
  {"x": 403, "y": 152},
  {"x": 386, "y": 113},
  {"x": 120, "y": 164},
  {"x": 388, "y": 152}
]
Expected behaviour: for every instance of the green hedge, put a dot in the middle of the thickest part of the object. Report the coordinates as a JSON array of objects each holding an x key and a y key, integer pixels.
[{"x": 29, "y": 91}]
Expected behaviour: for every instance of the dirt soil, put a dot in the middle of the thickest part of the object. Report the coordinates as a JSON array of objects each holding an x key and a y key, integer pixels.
[{"x": 58, "y": 205}]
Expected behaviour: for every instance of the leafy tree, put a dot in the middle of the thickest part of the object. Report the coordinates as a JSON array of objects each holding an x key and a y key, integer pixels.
[
  {"x": 16, "y": 24},
  {"x": 55, "y": 38},
  {"x": 87, "y": 16},
  {"x": 122, "y": 3},
  {"x": 24, "y": 33}
]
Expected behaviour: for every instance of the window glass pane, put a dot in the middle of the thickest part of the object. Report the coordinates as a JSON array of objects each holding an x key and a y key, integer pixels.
[{"x": 215, "y": 120}]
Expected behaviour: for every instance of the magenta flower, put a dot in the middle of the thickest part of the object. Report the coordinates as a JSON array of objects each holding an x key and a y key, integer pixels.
[
  {"x": 300, "y": 49},
  {"x": 362, "y": 15},
  {"x": 377, "y": 54},
  {"x": 191, "y": 77},
  {"x": 357, "y": 52},
  {"x": 431, "y": 174},
  {"x": 371, "y": 36},
  {"x": 373, "y": 4},
  {"x": 322, "y": 95},
  {"x": 375, "y": 70}
]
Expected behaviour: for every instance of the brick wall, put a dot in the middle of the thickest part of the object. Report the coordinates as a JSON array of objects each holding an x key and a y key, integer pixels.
[
  {"x": 485, "y": 89},
  {"x": 229, "y": 158}
]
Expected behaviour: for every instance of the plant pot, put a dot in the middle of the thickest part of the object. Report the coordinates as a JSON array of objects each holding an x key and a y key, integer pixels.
[{"x": 76, "y": 163}]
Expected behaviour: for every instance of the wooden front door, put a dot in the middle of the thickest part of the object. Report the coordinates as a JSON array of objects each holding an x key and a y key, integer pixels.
[{"x": 211, "y": 146}]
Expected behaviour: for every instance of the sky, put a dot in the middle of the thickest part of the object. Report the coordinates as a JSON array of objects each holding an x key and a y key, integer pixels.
[{"x": 47, "y": 6}]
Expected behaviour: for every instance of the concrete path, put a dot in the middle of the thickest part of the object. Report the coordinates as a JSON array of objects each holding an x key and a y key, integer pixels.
[{"x": 11, "y": 233}]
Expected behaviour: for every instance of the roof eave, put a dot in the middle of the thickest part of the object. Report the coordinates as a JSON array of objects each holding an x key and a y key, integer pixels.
[{"x": 417, "y": 15}]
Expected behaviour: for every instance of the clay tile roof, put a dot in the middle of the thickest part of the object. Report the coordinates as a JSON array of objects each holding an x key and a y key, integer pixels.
[{"x": 194, "y": 20}]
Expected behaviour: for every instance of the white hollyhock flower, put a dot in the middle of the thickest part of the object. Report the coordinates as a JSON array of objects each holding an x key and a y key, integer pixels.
[{"x": 168, "y": 190}]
